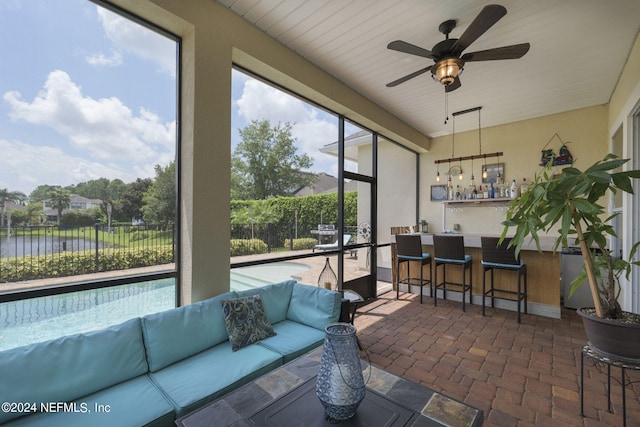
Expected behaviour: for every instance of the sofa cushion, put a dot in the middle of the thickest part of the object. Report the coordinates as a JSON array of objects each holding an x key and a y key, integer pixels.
[
  {"x": 293, "y": 339},
  {"x": 275, "y": 299},
  {"x": 200, "y": 379},
  {"x": 136, "y": 402},
  {"x": 175, "y": 334},
  {"x": 246, "y": 321},
  {"x": 73, "y": 366},
  {"x": 314, "y": 306}
]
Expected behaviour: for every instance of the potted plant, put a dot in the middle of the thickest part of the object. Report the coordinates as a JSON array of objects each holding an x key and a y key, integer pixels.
[{"x": 571, "y": 201}]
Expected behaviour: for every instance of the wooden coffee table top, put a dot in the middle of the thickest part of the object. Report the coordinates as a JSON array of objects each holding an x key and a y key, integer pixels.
[{"x": 238, "y": 407}]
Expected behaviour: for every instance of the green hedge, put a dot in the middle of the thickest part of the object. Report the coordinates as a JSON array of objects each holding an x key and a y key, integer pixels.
[
  {"x": 73, "y": 263},
  {"x": 309, "y": 209},
  {"x": 299, "y": 244},
  {"x": 247, "y": 247}
]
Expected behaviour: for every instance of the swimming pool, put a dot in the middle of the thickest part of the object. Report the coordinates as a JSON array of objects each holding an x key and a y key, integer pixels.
[
  {"x": 39, "y": 319},
  {"x": 260, "y": 275}
]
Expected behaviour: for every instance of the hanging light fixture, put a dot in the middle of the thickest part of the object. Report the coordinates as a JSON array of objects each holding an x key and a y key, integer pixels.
[
  {"x": 438, "y": 172},
  {"x": 485, "y": 173},
  {"x": 446, "y": 70},
  {"x": 498, "y": 177},
  {"x": 460, "y": 176},
  {"x": 473, "y": 179}
]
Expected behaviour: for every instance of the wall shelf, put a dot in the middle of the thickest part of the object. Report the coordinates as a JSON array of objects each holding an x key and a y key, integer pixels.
[{"x": 502, "y": 200}]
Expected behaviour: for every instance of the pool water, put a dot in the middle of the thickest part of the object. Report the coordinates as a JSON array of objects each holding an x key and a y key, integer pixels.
[
  {"x": 39, "y": 319},
  {"x": 260, "y": 275}
]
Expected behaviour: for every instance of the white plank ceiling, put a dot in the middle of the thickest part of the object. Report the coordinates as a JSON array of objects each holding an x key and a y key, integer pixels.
[{"x": 578, "y": 50}]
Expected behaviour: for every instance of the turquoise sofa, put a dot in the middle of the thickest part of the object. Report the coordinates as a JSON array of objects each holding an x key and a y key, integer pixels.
[{"x": 151, "y": 370}]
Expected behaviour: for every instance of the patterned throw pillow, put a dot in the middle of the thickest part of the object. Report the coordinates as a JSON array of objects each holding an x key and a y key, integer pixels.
[{"x": 246, "y": 321}]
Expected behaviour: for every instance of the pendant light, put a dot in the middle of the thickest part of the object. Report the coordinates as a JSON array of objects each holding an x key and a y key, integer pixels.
[
  {"x": 438, "y": 172},
  {"x": 485, "y": 173},
  {"x": 473, "y": 179}
]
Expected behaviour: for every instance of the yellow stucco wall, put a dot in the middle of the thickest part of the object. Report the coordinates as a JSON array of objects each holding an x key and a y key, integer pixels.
[{"x": 522, "y": 143}]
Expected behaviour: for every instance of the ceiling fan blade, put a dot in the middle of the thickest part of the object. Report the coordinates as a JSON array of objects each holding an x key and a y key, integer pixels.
[
  {"x": 506, "y": 52},
  {"x": 453, "y": 86},
  {"x": 485, "y": 20},
  {"x": 409, "y": 48},
  {"x": 408, "y": 77}
]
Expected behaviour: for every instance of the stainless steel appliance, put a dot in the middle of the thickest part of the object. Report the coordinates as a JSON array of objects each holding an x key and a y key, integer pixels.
[{"x": 571, "y": 264}]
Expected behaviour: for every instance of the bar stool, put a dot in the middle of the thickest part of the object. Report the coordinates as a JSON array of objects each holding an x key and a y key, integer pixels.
[
  {"x": 449, "y": 250},
  {"x": 502, "y": 257},
  {"x": 409, "y": 248}
]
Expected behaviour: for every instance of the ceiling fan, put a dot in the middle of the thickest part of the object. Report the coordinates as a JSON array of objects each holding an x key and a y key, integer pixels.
[{"x": 446, "y": 54}]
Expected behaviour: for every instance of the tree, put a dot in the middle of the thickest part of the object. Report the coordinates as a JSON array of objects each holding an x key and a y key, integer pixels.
[
  {"x": 258, "y": 212},
  {"x": 41, "y": 193},
  {"x": 160, "y": 199},
  {"x": 131, "y": 199},
  {"x": 60, "y": 199},
  {"x": 265, "y": 163},
  {"x": 9, "y": 196},
  {"x": 33, "y": 212}
]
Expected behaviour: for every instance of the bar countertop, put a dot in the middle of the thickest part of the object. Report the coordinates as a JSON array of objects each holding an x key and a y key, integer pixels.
[{"x": 474, "y": 241}]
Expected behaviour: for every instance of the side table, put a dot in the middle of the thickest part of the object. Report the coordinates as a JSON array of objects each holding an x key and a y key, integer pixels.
[
  {"x": 609, "y": 361},
  {"x": 350, "y": 300}
]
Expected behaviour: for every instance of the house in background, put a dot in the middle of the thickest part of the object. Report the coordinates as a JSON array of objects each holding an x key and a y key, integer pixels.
[
  {"x": 78, "y": 203},
  {"x": 324, "y": 183}
]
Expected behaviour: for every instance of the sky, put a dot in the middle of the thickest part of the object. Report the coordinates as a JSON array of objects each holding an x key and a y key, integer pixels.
[{"x": 88, "y": 94}]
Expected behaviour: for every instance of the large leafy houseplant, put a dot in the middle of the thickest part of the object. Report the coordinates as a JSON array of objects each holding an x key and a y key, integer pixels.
[{"x": 572, "y": 201}]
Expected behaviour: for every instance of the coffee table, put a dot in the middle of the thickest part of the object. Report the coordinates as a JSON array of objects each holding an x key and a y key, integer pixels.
[{"x": 287, "y": 395}]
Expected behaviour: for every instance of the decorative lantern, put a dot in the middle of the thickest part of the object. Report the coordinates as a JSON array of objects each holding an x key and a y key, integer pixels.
[
  {"x": 340, "y": 385},
  {"x": 424, "y": 226},
  {"x": 328, "y": 278}
]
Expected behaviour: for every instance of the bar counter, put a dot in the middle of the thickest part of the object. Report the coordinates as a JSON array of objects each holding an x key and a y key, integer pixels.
[{"x": 543, "y": 273}]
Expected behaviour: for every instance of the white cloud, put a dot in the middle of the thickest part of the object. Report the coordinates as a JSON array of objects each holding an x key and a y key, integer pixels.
[
  {"x": 131, "y": 37},
  {"x": 107, "y": 138},
  {"x": 101, "y": 60},
  {"x": 260, "y": 101},
  {"x": 26, "y": 166}
]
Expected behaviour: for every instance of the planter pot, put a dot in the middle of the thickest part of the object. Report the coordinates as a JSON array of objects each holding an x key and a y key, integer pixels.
[{"x": 612, "y": 338}]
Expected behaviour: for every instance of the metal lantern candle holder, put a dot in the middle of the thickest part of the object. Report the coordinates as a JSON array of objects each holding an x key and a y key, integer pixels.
[{"x": 340, "y": 385}]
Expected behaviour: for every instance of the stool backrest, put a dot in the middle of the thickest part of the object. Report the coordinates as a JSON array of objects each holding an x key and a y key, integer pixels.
[
  {"x": 448, "y": 247},
  {"x": 409, "y": 245},
  {"x": 498, "y": 254}
]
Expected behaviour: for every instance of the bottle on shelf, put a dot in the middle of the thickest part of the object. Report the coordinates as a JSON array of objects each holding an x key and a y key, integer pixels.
[
  {"x": 524, "y": 186},
  {"x": 514, "y": 190},
  {"x": 492, "y": 191},
  {"x": 480, "y": 193},
  {"x": 485, "y": 193},
  {"x": 458, "y": 194}
]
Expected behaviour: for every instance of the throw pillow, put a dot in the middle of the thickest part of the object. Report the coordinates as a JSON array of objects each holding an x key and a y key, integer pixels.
[{"x": 246, "y": 321}]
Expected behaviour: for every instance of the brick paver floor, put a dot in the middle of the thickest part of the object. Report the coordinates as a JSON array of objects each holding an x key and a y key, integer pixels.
[{"x": 519, "y": 375}]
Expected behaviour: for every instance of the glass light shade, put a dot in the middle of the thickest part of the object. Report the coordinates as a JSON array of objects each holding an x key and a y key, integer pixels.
[
  {"x": 447, "y": 70},
  {"x": 328, "y": 278}
]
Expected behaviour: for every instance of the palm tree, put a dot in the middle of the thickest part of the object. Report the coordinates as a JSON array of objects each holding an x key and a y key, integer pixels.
[
  {"x": 9, "y": 196},
  {"x": 60, "y": 199}
]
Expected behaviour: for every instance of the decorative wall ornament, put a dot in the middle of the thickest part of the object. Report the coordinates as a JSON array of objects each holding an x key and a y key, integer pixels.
[{"x": 564, "y": 156}]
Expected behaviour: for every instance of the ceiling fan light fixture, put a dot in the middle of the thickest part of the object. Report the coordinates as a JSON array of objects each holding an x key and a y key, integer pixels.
[{"x": 446, "y": 70}]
